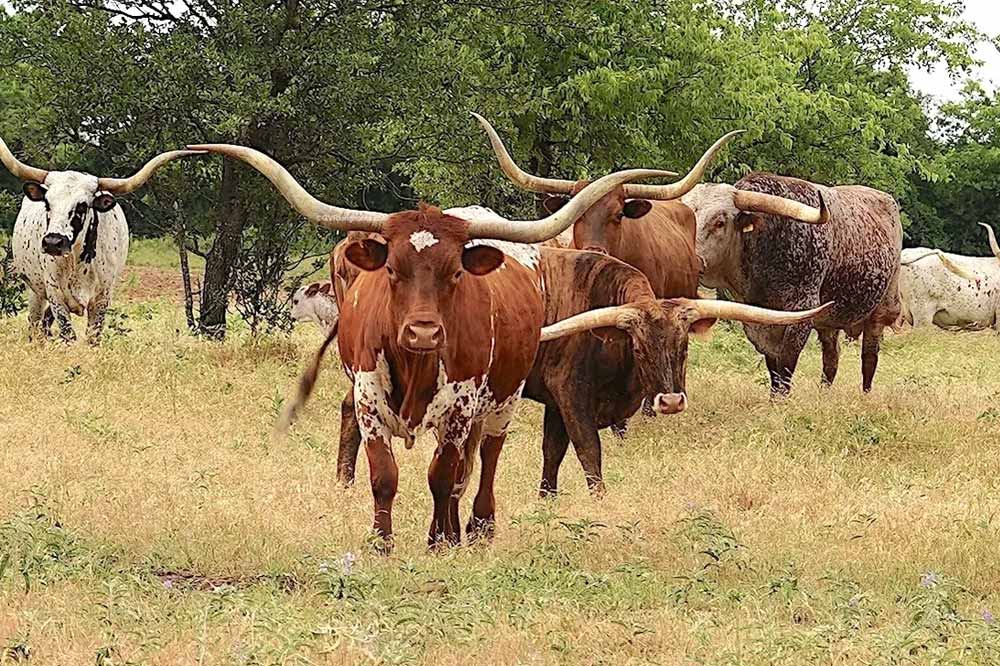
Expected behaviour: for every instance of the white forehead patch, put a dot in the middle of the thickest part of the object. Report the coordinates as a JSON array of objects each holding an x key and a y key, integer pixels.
[{"x": 422, "y": 239}]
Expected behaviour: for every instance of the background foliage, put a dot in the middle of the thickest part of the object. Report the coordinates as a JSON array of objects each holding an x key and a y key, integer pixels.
[{"x": 367, "y": 103}]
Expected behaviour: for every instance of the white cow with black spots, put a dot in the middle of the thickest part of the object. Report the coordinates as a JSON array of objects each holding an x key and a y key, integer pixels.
[
  {"x": 70, "y": 242},
  {"x": 951, "y": 290}
]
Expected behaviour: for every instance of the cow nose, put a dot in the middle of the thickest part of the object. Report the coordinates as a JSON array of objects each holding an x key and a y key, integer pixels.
[
  {"x": 55, "y": 244},
  {"x": 670, "y": 403},
  {"x": 423, "y": 336},
  {"x": 595, "y": 248}
]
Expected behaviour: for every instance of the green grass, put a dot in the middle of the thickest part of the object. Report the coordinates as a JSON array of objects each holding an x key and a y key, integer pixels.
[
  {"x": 159, "y": 253},
  {"x": 149, "y": 517}
]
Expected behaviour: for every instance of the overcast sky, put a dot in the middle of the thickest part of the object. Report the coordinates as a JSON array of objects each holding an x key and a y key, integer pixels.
[{"x": 985, "y": 14}]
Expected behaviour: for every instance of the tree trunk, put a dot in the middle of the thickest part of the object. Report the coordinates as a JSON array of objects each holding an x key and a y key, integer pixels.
[
  {"x": 222, "y": 257},
  {"x": 181, "y": 239}
]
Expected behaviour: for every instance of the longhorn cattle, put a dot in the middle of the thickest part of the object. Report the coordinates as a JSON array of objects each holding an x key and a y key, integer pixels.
[
  {"x": 951, "y": 290},
  {"x": 591, "y": 382},
  {"x": 70, "y": 242},
  {"x": 785, "y": 243},
  {"x": 436, "y": 334},
  {"x": 316, "y": 302},
  {"x": 643, "y": 225}
]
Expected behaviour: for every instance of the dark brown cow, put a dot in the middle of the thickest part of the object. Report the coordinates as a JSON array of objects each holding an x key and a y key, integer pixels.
[
  {"x": 599, "y": 380},
  {"x": 436, "y": 334},
  {"x": 642, "y": 226}
]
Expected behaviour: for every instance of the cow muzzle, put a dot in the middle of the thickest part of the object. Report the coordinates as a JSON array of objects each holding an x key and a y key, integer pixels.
[
  {"x": 422, "y": 336},
  {"x": 670, "y": 403},
  {"x": 56, "y": 245}
]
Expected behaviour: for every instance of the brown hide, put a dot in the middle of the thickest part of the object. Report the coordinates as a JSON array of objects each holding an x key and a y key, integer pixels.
[
  {"x": 595, "y": 380},
  {"x": 660, "y": 243},
  {"x": 491, "y": 325}
]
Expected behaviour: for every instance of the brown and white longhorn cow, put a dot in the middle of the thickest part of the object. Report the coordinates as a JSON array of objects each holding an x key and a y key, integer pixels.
[{"x": 436, "y": 334}]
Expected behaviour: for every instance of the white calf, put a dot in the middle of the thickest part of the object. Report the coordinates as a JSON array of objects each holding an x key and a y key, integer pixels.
[{"x": 316, "y": 303}]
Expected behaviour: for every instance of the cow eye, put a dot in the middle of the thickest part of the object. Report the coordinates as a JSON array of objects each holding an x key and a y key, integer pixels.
[{"x": 81, "y": 208}]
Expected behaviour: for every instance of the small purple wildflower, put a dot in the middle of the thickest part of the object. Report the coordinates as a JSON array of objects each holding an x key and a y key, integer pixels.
[
  {"x": 988, "y": 616},
  {"x": 930, "y": 580},
  {"x": 347, "y": 562},
  {"x": 169, "y": 584}
]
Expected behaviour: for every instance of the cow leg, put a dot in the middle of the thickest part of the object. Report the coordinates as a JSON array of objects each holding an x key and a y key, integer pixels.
[
  {"x": 923, "y": 316},
  {"x": 555, "y": 441},
  {"x": 587, "y": 443},
  {"x": 350, "y": 441},
  {"x": 385, "y": 481},
  {"x": 830, "y": 342},
  {"x": 61, "y": 314},
  {"x": 38, "y": 313},
  {"x": 870, "y": 344},
  {"x": 782, "y": 366},
  {"x": 482, "y": 522},
  {"x": 442, "y": 476},
  {"x": 96, "y": 311}
]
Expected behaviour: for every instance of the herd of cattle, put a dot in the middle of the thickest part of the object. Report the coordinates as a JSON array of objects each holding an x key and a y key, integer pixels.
[{"x": 445, "y": 319}]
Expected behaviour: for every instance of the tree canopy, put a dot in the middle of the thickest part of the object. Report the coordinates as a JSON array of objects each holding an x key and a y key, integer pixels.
[{"x": 368, "y": 103}]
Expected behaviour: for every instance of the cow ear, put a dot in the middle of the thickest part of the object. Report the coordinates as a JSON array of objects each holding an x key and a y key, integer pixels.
[
  {"x": 325, "y": 288},
  {"x": 636, "y": 208},
  {"x": 701, "y": 326},
  {"x": 34, "y": 191},
  {"x": 368, "y": 254},
  {"x": 312, "y": 289},
  {"x": 104, "y": 202},
  {"x": 482, "y": 259},
  {"x": 553, "y": 203}
]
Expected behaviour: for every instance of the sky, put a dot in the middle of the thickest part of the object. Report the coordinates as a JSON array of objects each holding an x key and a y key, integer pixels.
[{"x": 985, "y": 15}]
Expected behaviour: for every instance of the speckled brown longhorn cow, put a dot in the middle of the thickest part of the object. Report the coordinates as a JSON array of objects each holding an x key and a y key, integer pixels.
[
  {"x": 785, "y": 243},
  {"x": 436, "y": 333}
]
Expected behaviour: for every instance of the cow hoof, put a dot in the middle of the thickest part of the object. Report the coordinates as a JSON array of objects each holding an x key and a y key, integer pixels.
[
  {"x": 439, "y": 542},
  {"x": 382, "y": 545},
  {"x": 480, "y": 529},
  {"x": 598, "y": 490},
  {"x": 547, "y": 492}
]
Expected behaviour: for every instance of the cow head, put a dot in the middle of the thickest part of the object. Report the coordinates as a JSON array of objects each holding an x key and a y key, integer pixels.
[
  {"x": 425, "y": 257},
  {"x": 73, "y": 200},
  {"x": 667, "y": 324},
  {"x": 725, "y": 213},
  {"x": 599, "y": 228},
  {"x": 315, "y": 302}
]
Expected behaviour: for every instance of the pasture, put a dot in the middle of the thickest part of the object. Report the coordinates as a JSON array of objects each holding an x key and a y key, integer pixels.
[{"x": 148, "y": 516}]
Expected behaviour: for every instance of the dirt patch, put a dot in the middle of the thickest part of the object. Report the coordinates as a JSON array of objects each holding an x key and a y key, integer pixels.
[{"x": 147, "y": 283}]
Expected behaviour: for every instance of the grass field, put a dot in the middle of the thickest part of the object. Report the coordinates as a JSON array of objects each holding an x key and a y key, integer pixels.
[{"x": 149, "y": 517}]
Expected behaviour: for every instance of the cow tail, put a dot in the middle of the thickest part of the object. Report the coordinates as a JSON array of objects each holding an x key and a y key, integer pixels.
[{"x": 307, "y": 381}]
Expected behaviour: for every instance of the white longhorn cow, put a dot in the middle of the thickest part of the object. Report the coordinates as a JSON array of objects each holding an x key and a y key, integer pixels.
[
  {"x": 317, "y": 303},
  {"x": 951, "y": 290},
  {"x": 70, "y": 241}
]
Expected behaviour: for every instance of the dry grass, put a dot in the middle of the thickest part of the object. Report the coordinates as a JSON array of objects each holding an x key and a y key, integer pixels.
[{"x": 148, "y": 517}]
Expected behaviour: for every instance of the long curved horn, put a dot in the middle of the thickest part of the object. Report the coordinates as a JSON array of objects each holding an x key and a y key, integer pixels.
[
  {"x": 518, "y": 176},
  {"x": 618, "y": 316},
  {"x": 749, "y": 314},
  {"x": 551, "y": 226},
  {"x": 758, "y": 202},
  {"x": 687, "y": 183},
  {"x": 131, "y": 184},
  {"x": 331, "y": 217},
  {"x": 993, "y": 239},
  {"x": 19, "y": 168},
  {"x": 948, "y": 263}
]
